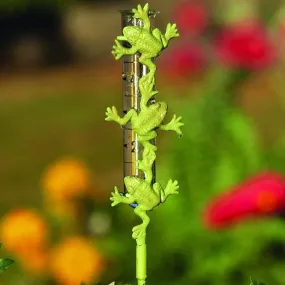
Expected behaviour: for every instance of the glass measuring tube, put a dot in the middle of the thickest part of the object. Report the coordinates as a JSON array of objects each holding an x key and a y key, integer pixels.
[{"x": 132, "y": 71}]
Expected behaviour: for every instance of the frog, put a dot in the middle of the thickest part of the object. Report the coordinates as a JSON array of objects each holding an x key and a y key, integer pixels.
[
  {"x": 146, "y": 196},
  {"x": 149, "y": 43},
  {"x": 146, "y": 122}
]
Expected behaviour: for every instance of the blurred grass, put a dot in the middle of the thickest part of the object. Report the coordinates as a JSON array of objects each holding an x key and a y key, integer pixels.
[{"x": 37, "y": 131}]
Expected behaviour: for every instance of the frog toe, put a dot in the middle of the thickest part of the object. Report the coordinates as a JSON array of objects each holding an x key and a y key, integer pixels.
[
  {"x": 121, "y": 38},
  {"x": 138, "y": 231}
]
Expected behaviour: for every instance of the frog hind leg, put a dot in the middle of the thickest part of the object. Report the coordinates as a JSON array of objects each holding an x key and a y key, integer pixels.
[
  {"x": 145, "y": 140},
  {"x": 146, "y": 164},
  {"x": 142, "y": 13},
  {"x": 149, "y": 63},
  {"x": 170, "y": 189},
  {"x": 140, "y": 230},
  {"x": 157, "y": 188}
]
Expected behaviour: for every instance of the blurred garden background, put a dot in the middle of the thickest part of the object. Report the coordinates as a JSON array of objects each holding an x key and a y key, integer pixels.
[{"x": 59, "y": 159}]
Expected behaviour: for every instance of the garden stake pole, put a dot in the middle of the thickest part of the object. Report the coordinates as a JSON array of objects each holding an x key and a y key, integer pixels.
[{"x": 142, "y": 118}]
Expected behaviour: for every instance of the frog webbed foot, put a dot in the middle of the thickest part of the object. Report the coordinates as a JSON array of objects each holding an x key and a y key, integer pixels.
[
  {"x": 142, "y": 13},
  {"x": 171, "y": 188},
  {"x": 173, "y": 125},
  {"x": 118, "y": 198},
  {"x": 139, "y": 231},
  {"x": 112, "y": 114},
  {"x": 119, "y": 51},
  {"x": 171, "y": 32}
]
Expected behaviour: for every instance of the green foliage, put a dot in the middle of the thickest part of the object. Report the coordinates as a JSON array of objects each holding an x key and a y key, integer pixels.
[
  {"x": 253, "y": 282},
  {"x": 5, "y": 262}
]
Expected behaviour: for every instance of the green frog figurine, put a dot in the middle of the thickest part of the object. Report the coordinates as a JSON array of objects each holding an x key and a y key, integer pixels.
[
  {"x": 146, "y": 122},
  {"x": 146, "y": 196},
  {"x": 148, "y": 43}
]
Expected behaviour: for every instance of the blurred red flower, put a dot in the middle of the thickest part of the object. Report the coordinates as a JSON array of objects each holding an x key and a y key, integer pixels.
[
  {"x": 184, "y": 60},
  {"x": 279, "y": 37},
  {"x": 245, "y": 45},
  {"x": 262, "y": 195},
  {"x": 191, "y": 17}
]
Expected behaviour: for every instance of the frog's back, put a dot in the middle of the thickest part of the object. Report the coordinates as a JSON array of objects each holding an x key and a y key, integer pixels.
[
  {"x": 147, "y": 199},
  {"x": 151, "y": 118},
  {"x": 149, "y": 45}
]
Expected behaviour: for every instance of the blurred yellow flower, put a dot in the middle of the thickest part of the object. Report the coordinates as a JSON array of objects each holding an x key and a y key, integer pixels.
[
  {"x": 23, "y": 230},
  {"x": 66, "y": 179},
  {"x": 75, "y": 260}
]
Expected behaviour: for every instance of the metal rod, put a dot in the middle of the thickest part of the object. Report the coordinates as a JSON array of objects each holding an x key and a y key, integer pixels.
[{"x": 132, "y": 71}]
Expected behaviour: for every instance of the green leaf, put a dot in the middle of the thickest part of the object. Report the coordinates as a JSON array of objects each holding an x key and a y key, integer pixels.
[{"x": 5, "y": 263}]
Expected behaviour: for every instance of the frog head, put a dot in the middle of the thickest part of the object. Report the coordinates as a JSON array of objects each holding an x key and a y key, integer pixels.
[
  {"x": 132, "y": 34},
  {"x": 132, "y": 183}
]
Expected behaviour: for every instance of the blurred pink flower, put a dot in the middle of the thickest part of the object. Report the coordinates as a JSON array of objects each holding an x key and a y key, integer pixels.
[
  {"x": 184, "y": 60},
  {"x": 191, "y": 17},
  {"x": 245, "y": 45},
  {"x": 261, "y": 195}
]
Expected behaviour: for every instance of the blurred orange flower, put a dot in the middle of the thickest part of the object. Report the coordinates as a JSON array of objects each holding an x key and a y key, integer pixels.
[
  {"x": 34, "y": 262},
  {"x": 23, "y": 230},
  {"x": 65, "y": 180},
  {"x": 75, "y": 260},
  {"x": 62, "y": 210}
]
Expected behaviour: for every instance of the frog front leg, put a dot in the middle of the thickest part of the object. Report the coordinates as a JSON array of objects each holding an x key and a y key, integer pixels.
[
  {"x": 119, "y": 51},
  {"x": 170, "y": 189},
  {"x": 171, "y": 32},
  {"x": 173, "y": 125},
  {"x": 117, "y": 198},
  {"x": 112, "y": 115},
  {"x": 140, "y": 230}
]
